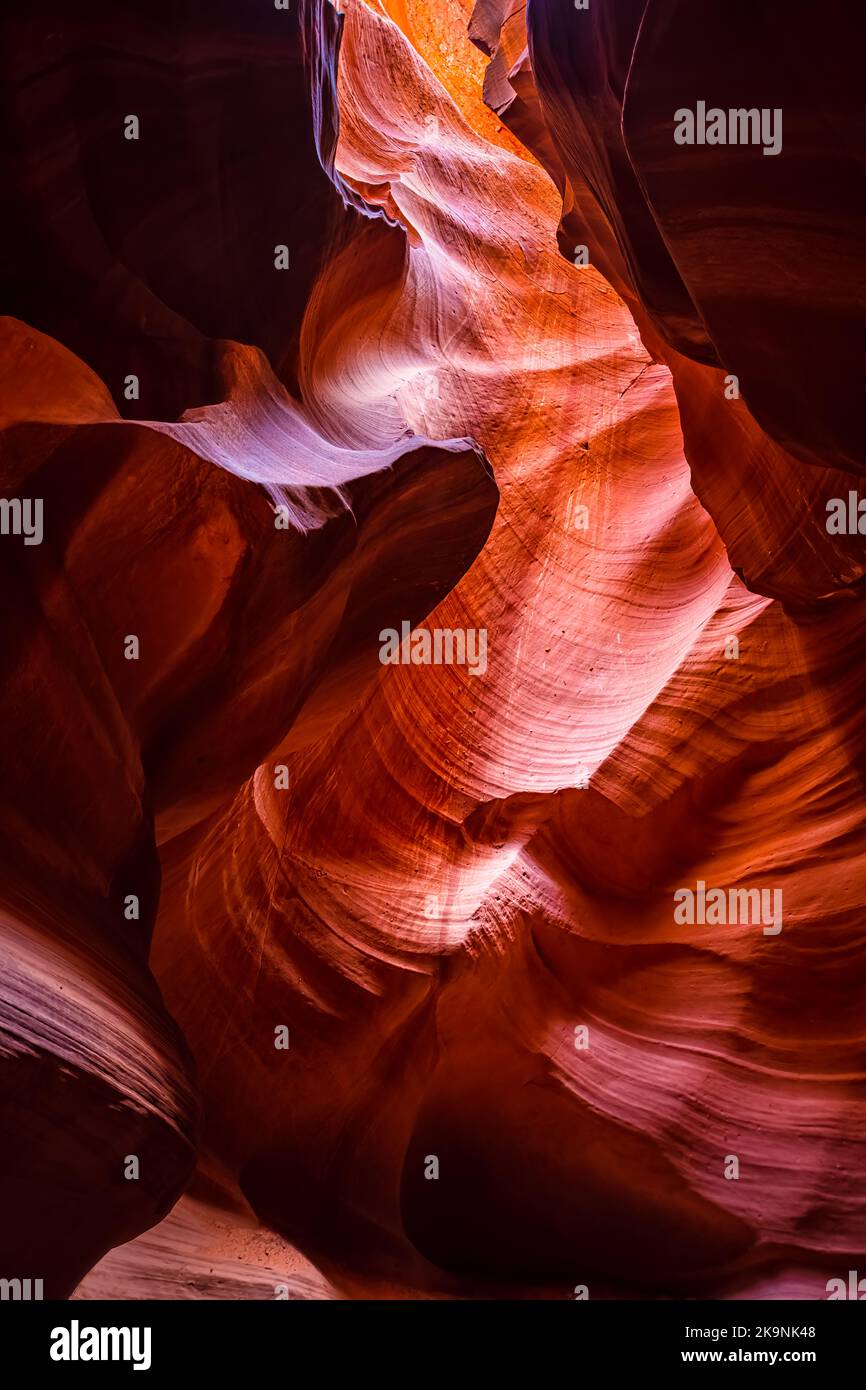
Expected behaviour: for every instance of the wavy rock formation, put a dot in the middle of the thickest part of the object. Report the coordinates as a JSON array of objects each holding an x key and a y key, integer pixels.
[
  {"x": 406, "y": 986},
  {"x": 734, "y": 264}
]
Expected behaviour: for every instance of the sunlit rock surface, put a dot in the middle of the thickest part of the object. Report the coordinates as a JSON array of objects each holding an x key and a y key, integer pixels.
[{"x": 447, "y": 890}]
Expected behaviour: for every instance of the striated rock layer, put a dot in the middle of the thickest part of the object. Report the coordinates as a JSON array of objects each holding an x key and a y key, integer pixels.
[{"x": 405, "y": 1009}]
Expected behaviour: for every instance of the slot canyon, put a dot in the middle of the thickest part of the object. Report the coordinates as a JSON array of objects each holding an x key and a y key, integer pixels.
[{"x": 329, "y": 974}]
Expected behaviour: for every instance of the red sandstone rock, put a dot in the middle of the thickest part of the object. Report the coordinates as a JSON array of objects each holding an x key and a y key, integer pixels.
[{"x": 457, "y": 873}]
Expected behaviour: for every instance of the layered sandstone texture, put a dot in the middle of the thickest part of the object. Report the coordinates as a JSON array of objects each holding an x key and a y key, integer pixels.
[{"x": 327, "y": 977}]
